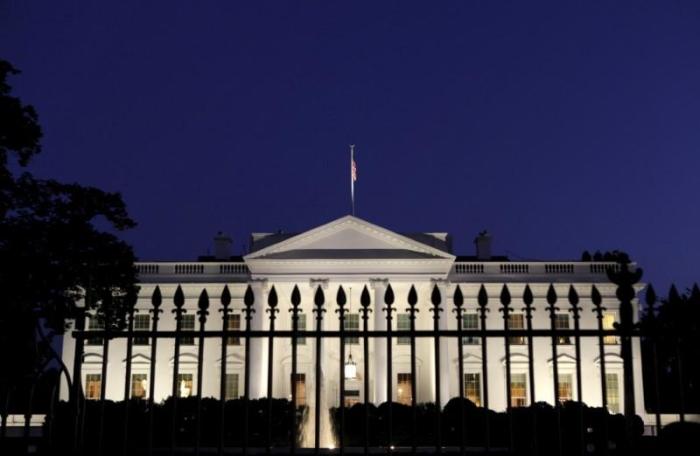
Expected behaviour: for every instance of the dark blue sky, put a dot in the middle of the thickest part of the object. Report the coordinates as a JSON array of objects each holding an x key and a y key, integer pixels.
[{"x": 557, "y": 127}]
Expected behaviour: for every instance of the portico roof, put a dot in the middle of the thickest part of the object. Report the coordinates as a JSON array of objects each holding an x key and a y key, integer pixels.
[{"x": 350, "y": 240}]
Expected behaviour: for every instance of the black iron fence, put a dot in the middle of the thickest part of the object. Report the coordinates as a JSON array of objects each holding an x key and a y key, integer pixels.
[{"x": 245, "y": 425}]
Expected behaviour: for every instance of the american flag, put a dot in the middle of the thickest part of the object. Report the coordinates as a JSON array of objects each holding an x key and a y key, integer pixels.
[
  {"x": 353, "y": 169},
  {"x": 353, "y": 177}
]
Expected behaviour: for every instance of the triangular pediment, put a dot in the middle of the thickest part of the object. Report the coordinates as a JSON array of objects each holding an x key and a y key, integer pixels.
[{"x": 349, "y": 238}]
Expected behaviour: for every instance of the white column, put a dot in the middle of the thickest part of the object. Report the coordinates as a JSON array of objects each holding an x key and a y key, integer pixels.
[
  {"x": 445, "y": 315},
  {"x": 258, "y": 346},
  {"x": 378, "y": 373}
]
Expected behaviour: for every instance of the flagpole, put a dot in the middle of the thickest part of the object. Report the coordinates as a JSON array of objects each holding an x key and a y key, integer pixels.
[{"x": 352, "y": 178}]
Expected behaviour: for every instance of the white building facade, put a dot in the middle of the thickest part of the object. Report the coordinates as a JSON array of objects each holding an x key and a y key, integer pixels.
[{"x": 355, "y": 254}]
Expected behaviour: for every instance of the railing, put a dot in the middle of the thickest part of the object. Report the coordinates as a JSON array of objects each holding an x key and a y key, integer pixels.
[
  {"x": 255, "y": 421},
  {"x": 192, "y": 269},
  {"x": 460, "y": 268},
  {"x": 534, "y": 268}
]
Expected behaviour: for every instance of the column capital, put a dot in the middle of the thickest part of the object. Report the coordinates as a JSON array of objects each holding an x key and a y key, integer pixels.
[
  {"x": 258, "y": 283},
  {"x": 377, "y": 282}
]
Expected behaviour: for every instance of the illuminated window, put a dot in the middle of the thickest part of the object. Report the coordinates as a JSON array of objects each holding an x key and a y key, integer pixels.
[
  {"x": 141, "y": 323},
  {"x": 403, "y": 323},
  {"x": 93, "y": 386},
  {"x": 95, "y": 323},
  {"x": 233, "y": 324},
  {"x": 352, "y": 323},
  {"x": 231, "y": 387},
  {"x": 470, "y": 321},
  {"x": 184, "y": 385},
  {"x": 301, "y": 326},
  {"x": 612, "y": 387},
  {"x": 608, "y": 323},
  {"x": 566, "y": 388},
  {"x": 561, "y": 321},
  {"x": 516, "y": 321},
  {"x": 299, "y": 384},
  {"x": 472, "y": 388},
  {"x": 139, "y": 385},
  {"x": 518, "y": 390},
  {"x": 187, "y": 324},
  {"x": 403, "y": 390},
  {"x": 352, "y": 397}
]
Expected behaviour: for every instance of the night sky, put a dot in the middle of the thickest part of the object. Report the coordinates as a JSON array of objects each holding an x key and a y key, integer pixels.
[{"x": 558, "y": 128}]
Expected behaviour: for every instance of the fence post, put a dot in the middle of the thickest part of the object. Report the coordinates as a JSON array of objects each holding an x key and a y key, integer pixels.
[
  {"x": 389, "y": 301},
  {"x": 412, "y": 301},
  {"x": 365, "y": 302},
  {"x": 458, "y": 300},
  {"x": 296, "y": 301},
  {"x": 528, "y": 299},
  {"x": 319, "y": 300},
  {"x": 203, "y": 306},
  {"x": 225, "y": 311},
  {"x": 625, "y": 279},
  {"x": 179, "y": 301},
  {"x": 77, "y": 393},
  {"x": 272, "y": 310},
  {"x": 552, "y": 300},
  {"x": 575, "y": 310},
  {"x": 652, "y": 325},
  {"x": 436, "y": 299},
  {"x": 249, "y": 301},
  {"x": 127, "y": 376},
  {"x": 597, "y": 300},
  {"x": 156, "y": 301},
  {"x": 483, "y": 300},
  {"x": 505, "y": 308},
  {"x": 341, "y": 300}
]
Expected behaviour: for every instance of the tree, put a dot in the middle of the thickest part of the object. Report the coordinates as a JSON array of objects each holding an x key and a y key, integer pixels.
[
  {"x": 53, "y": 253},
  {"x": 675, "y": 326}
]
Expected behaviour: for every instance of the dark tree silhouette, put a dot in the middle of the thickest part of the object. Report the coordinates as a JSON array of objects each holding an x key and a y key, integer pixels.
[
  {"x": 676, "y": 323},
  {"x": 53, "y": 252}
]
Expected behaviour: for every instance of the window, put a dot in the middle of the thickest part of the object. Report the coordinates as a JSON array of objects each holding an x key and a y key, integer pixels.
[
  {"x": 95, "y": 324},
  {"x": 470, "y": 321},
  {"x": 561, "y": 321},
  {"x": 518, "y": 390},
  {"x": 403, "y": 323},
  {"x": 403, "y": 390},
  {"x": 472, "y": 388},
  {"x": 352, "y": 323},
  {"x": 234, "y": 324},
  {"x": 141, "y": 323},
  {"x": 231, "y": 387},
  {"x": 299, "y": 385},
  {"x": 301, "y": 326},
  {"x": 139, "y": 386},
  {"x": 352, "y": 397},
  {"x": 187, "y": 324},
  {"x": 608, "y": 323},
  {"x": 566, "y": 388},
  {"x": 612, "y": 387},
  {"x": 93, "y": 386},
  {"x": 184, "y": 382},
  {"x": 516, "y": 321}
]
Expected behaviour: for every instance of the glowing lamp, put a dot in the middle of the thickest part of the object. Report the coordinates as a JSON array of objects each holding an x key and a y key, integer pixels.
[{"x": 350, "y": 369}]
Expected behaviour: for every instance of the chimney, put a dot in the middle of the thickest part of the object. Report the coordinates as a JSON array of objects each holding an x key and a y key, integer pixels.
[
  {"x": 483, "y": 246},
  {"x": 222, "y": 246}
]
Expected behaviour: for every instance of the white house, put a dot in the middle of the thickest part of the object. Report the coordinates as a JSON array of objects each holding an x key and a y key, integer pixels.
[{"x": 355, "y": 254}]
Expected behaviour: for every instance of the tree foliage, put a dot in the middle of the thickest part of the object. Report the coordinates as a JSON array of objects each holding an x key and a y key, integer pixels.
[
  {"x": 58, "y": 246},
  {"x": 669, "y": 352}
]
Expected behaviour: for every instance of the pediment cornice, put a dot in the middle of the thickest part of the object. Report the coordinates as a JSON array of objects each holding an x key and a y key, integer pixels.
[{"x": 349, "y": 238}]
